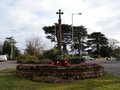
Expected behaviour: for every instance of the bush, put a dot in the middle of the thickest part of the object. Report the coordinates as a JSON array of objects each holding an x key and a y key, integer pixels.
[
  {"x": 28, "y": 61},
  {"x": 77, "y": 60},
  {"x": 28, "y": 57},
  {"x": 67, "y": 56},
  {"x": 96, "y": 56},
  {"x": 43, "y": 61},
  {"x": 40, "y": 57},
  {"x": 51, "y": 54}
]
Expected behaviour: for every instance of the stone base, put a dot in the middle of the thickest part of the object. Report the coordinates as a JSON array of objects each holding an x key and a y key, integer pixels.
[{"x": 81, "y": 71}]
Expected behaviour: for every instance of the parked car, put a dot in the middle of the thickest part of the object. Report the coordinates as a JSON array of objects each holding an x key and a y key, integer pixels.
[
  {"x": 3, "y": 58},
  {"x": 88, "y": 58},
  {"x": 111, "y": 58}
]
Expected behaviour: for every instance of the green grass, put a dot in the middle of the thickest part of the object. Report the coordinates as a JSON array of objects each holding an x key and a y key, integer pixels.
[{"x": 8, "y": 81}]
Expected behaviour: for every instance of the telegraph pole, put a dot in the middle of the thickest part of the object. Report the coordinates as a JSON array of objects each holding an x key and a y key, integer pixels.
[{"x": 59, "y": 37}]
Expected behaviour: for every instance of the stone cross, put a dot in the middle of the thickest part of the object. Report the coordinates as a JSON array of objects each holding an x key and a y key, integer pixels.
[{"x": 59, "y": 32}]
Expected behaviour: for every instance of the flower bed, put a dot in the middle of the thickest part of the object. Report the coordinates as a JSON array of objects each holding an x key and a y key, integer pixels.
[{"x": 80, "y": 71}]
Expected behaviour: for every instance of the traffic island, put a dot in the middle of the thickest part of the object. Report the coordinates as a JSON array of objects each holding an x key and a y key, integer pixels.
[{"x": 69, "y": 72}]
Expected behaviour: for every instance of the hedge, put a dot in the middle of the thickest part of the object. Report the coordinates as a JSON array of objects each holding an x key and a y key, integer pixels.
[{"x": 80, "y": 71}]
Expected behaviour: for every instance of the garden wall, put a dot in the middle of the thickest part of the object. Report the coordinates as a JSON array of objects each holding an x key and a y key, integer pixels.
[{"x": 81, "y": 71}]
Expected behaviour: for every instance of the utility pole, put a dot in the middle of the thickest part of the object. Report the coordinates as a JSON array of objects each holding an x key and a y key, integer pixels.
[{"x": 59, "y": 37}]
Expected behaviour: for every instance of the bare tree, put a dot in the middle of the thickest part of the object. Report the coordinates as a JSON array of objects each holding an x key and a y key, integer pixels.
[
  {"x": 113, "y": 43},
  {"x": 1, "y": 45},
  {"x": 34, "y": 45}
]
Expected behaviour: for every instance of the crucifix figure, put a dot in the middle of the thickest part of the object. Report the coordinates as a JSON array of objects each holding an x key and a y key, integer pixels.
[{"x": 59, "y": 33}]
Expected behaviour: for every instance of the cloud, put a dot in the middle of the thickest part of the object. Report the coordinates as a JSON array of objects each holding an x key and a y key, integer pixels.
[
  {"x": 28, "y": 17},
  {"x": 110, "y": 26}
]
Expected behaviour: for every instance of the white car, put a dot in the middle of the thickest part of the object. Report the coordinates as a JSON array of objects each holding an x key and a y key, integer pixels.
[
  {"x": 88, "y": 58},
  {"x": 3, "y": 58}
]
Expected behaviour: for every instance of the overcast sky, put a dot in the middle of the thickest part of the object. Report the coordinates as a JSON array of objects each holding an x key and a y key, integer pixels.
[{"x": 27, "y": 17}]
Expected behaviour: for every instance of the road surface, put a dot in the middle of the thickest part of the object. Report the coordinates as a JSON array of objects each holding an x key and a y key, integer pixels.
[
  {"x": 111, "y": 66},
  {"x": 8, "y": 64}
]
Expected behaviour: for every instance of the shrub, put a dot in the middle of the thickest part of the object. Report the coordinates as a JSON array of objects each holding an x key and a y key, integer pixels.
[
  {"x": 77, "y": 60},
  {"x": 67, "y": 56},
  {"x": 96, "y": 56},
  {"x": 28, "y": 61},
  {"x": 50, "y": 54},
  {"x": 28, "y": 57},
  {"x": 40, "y": 57},
  {"x": 44, "y": 61}
]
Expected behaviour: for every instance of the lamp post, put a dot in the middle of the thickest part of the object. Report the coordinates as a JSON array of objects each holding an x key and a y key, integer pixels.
[
  {"x": 72, "y": 27},
  {"x": 55, "y": 31},
  {"x": 99, "y": 47}
]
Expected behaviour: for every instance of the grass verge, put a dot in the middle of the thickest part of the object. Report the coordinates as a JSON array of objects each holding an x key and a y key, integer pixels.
[{"x": 11, "y": 82}]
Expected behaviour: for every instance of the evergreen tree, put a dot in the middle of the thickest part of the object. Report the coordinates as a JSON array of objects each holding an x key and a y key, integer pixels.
[
  {"x": 51, "y": 32},
  {"x": 106, "y": 51},
  {"x": 79, "y": 35},
  {"x": 96, "y": 41},
  {"x": 6, "y": 48},
  {"x": 16, "y": 52}
]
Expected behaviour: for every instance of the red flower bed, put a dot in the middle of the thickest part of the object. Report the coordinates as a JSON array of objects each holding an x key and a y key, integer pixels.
[{"x": 59, "y": 62}]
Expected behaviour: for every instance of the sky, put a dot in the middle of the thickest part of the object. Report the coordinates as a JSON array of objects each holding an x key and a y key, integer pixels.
[{"x": 23, "y": 18}]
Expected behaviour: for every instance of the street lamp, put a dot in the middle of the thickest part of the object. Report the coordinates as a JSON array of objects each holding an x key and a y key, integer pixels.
[
  {"x": 55, "y": 31},
  {"x": 72, "y": 26}
]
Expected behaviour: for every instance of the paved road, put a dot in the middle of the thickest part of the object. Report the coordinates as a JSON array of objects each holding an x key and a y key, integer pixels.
[
  {"x": 110, "y": 66},
  {"x": 7, "y": 64}
]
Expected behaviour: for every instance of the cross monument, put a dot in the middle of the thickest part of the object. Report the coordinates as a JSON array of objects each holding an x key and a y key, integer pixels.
[{"x": 59, "y": 37}]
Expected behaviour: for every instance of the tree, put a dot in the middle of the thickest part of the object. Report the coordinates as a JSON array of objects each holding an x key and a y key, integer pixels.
[
  {"x": 113, "y": 43},
  {"x": 1, "y": 48},
  {"x": 51, "y": 32},
  {"x": 97, "y": 40},
  {"x": 34, "y": 46},
  {"x": 116, "y": 52},
  {"x": 6, "y": 49},
  {"x": 16, "y": 52},
  {"x": 106, "y": 51},
  {"x": 12, "y": 42},
  {"x": 79, "y": 35}
]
